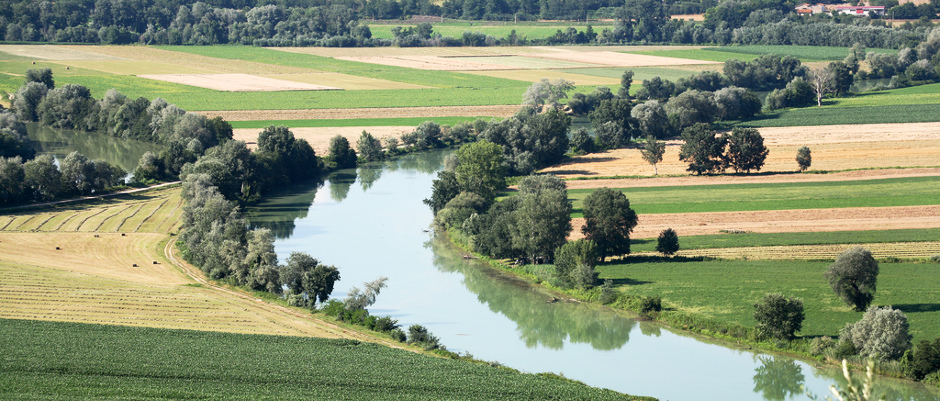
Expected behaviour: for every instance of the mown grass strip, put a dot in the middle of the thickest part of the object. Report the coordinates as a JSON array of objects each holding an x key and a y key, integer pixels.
[
  {"x": 911, "y": 191},
  {"x": 784, "y": 239},
  {"x": 807, "y": 53},
  {"x": 68, "y": 360},
  {"x": 727, "y": 290},
  {"x": 356, "y": 122}
]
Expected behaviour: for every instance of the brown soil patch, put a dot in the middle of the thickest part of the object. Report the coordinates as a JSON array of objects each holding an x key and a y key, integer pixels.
[
  {"x": 754, "y": 179},
  {"x": 816, "y": 252},
  {"x": 687, "y": 17},
  {"x": 203, "y": 63},
  {"x": 839, "y": 147},
  {"x": 237, "y": 82},
  {"x": 611, "y": 58},
  {"x": 319, "y": 137},
  {"x": 777, "y": 221},
  {"x": 43, "y": 52},
  {"x": 501, "y": 111}
]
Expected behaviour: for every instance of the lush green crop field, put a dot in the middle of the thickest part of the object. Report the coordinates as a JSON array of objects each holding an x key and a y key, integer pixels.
[
  {"x": 807, "y": 53},
  {"x": 777, "y": 196},
  {"x": 809, "y": 116},
  {"x": 922, "y": 94},
  {"x": 48, "y": 360},
  {"x": 700, "y": 54},
  {"x": 355, "y": 122},
  {"x": 727, "y": 290},
  {"x": 776, "y": 239},
  {"x": 524, "y": 30},
  {"x": 639, "y": 73}
]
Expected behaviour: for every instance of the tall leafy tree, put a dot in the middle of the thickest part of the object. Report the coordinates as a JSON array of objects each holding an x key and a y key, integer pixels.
[
  {"x": 443, "y": 189},
  {"x": 480, "y": 169},
  {"x": 653, "y": 152},
  {"x": 778, "y": 316},
  {"x": 341, "y": 155},
  {"x": 746, "y": 150},
  {"x": 542, "y": 221},
  {"x": 702, "y": 149},
  {"x": 854, "y": 277},
  {"x": 609, "y": 220},
  {"x": 369, "y": 147},
  {"x": 804, "y": 158},
  {"x": 574, "y": 263}
]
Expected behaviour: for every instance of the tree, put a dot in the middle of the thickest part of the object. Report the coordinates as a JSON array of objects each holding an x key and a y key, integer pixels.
[
  {"x": 542, "y": 221},
  {"x": 821, "y": 81},
  {"x": 668, "y": 242},
  {"x": 43, "y": 178},
  {"x": 574, "y": 263},
  {"x": 582, "y": 142},
  {"x": 443, "y": 189},
  {"x": 746, "y": 150},
  {"x": 882, "y": 333},
  {"x": 361, "y": 299},
  {"x": 652, "y": 119},
  {"x": 27, "y": 100},
  {"x": 922, "y": 360},
  {"x": 853, "y": 277},
  {"x": 369, "y": 147},
  {"x": 804, "y": 158},
  {"x": 653, "y": 152},
  {"x": 736, "y": 103},
  {"x": 626, "y": 80},
  {"x": 609, "y": 220},
  {"x": 480, "y": 169},
  {"x": 150, "y": 167},
  {"x": 43, "y": 76},
  {"x": 616, "y": 110},
  {"x": 547, "y": 93},
  {"x": 341, "y": 154},
  {"x": 319, "y": 281},
  {"x": 702, "y": 149},
  {"x": 778, "y": 316},
  {"x": 692, "y": 107}
]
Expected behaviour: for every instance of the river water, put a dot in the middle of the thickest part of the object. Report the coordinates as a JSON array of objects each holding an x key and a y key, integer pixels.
[{"x": 370, "y": 222}]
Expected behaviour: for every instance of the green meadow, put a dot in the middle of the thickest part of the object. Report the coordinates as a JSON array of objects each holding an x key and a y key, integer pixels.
[
  {"x": 781, "y": 239},
  {"x": 523, "y": 30}
]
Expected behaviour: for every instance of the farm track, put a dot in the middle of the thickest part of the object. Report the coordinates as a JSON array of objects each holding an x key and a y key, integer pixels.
[{"x": 906, "y": 250}]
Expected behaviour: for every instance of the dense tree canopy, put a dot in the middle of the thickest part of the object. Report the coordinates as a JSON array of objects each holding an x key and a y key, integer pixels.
[
  {"x": 609, "y": 220},
  {"x": 854, "y": 277},
  {"x": 702, "y": 149}
]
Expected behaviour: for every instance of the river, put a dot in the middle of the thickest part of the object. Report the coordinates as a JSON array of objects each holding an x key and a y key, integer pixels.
[{"x": 370, "y": 222}]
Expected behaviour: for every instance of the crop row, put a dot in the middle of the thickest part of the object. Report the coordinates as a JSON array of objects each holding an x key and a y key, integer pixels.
[{"x": 153, "y": 214}]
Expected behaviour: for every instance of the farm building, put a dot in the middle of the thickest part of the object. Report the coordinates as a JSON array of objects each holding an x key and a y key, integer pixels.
[
  {"x": 867, "y": 11},
  {"x": 809, "y": 9}
]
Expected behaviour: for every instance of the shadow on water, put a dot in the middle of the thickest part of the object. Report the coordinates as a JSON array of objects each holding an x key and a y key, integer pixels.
[{"x": 539, "y": 323}]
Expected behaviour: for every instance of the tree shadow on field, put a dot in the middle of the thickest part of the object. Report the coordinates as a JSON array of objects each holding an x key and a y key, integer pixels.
[
  {"x": 912, "y": 308},
  {"x": 628, "y": 281},
  {"x": 572, "y": 172}
]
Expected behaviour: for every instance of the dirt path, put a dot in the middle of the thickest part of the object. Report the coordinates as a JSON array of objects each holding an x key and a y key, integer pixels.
[
  {"x": 753, "y": 179},
  {"x": 322, "y": 328},
  {"x": 778, "y": 221},
  {"x": 378, "y": 112}
]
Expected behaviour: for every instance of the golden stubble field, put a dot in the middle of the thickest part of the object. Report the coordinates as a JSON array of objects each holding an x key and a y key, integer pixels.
[{"x": 112, "y": 262}]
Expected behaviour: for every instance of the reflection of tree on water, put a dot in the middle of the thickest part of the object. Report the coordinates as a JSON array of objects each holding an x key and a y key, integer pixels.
[
  {"x": 368, "y": 175},
  {"x": 538, "y": 322},
  {"x": 340, "y": 182},
  {"x": 889, "y": 389},
  {"x": 778, "y": 378},
  {"x": 124, "y": 153},
  {"x": 425, "y": 162},
  {"x": 278, "y": 212}
]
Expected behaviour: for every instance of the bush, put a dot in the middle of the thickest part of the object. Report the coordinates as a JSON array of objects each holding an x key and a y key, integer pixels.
[
  {"x": 651, "y": 304},
  {"x": 844, "y": 349},
  {"x": 419, "y": 335},
  {"x": 398, "y": 335},
  {"x": 882, "y": 333},
  {"x": 778, "y": 316},
  {"x": 922, "y": 361},
  {"x": 608, "y": 294},
  {"x": 820, "y": 345},
  {"x": 668, "y": 242},
  {"x": 935, "y": 258},
  {"x": 385, "y": 323}
]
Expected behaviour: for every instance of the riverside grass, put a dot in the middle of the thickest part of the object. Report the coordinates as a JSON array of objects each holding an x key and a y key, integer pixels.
[
  {"x": 67, "y": 360},
  {"x": 776, "y": 196},
  {"x": 726, "y": 290}
]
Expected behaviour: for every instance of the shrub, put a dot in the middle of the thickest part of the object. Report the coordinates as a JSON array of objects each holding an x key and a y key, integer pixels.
[
  {"x": 651, "y": 304},
  {"x": 935, "y": 258},
  {"x": 419, "y": 335},
  {"x": 668, "y": 242},
  {"x": 608, "y": 294},
  {"x": 844, "y": 349},
  {"x": 922, "y": 361},
  {"x": 778, "y": 316},
  {"x": 385, "y": 323},
  {"x": 882, "y": 333},
  {"x": 398, "y": 335},
  {"x": 820, "y": 345}
]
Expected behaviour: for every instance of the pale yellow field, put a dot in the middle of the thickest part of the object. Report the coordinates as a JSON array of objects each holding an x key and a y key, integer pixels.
[
  {"x": 43, "y": 52},
  {"x": 237, "y": 82},
  {"x": 134, "y": 67},
  {"x": 203, "y": 63},
  {"x": 344, "y": 81},
  {"x": 464, "y": 51},
  {"x": 538, "y": 75}
]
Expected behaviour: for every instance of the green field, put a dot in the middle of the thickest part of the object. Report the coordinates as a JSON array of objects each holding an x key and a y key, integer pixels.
[
  {"x": 747, "y": 53},
  {"x": 700, "y": 54},
  {"x": 49, "y": 360},
  {"x": 777, "y": 196},
  {"x": 524, "y": 30},
  {"x": 726, "y": 290},
  {"x": 777, "y": 239},
  {"x": 810, "y": 116},
  {"x": 639, "y": 73},
  {"x": 356, "y": 122}
]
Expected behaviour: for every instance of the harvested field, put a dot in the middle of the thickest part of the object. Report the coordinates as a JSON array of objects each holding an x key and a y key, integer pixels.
[
  {"x": 91, "y": 280},
  {"x": 464, "y": 51},
  {"x": 816, "y": 252},
  {"x": 133, "y": 67},
  {"x": 343, "y": 81},
  {"x": 319, "y": 137},
  {"x": 834, "y": 147},
  {"x": 146, "y": 212},
  {"x": 613, "y": 58},
  {"x": 538, "y": 75},
  {"x": 43, "y": 52},
  {"x": 190, "y": 60},
  {"x": 502, "y": 111},
  {"x": 237, "y": 82},
  {"x": 523, "y": 62},
  {"x": 751, "y": 179},
  {"x": 777, "y": 221},
  {"x": 433, "y": 63}
]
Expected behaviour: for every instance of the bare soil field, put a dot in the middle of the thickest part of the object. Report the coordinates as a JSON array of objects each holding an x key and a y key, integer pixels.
[
  {"x": 347, "y": 82},
  {"x": 212, "y": 64},
  {"x": 502, "y": 111},
  {"x": 464, "y": 51},
  {"x": 237, "y": 82},
  {"x": 752, "y": 179},
  {"x": 816, "y": 252},
  {"x": 133, "y": 67},
  {"x": 43, "y": 52},
  {"x": 538, "y": 75},
  {"x": 319, "y": 137},
  {"x": 839, "y": 147},
  {"x": 779, "y": 221},
  {"x": 612, "y": 58}
]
